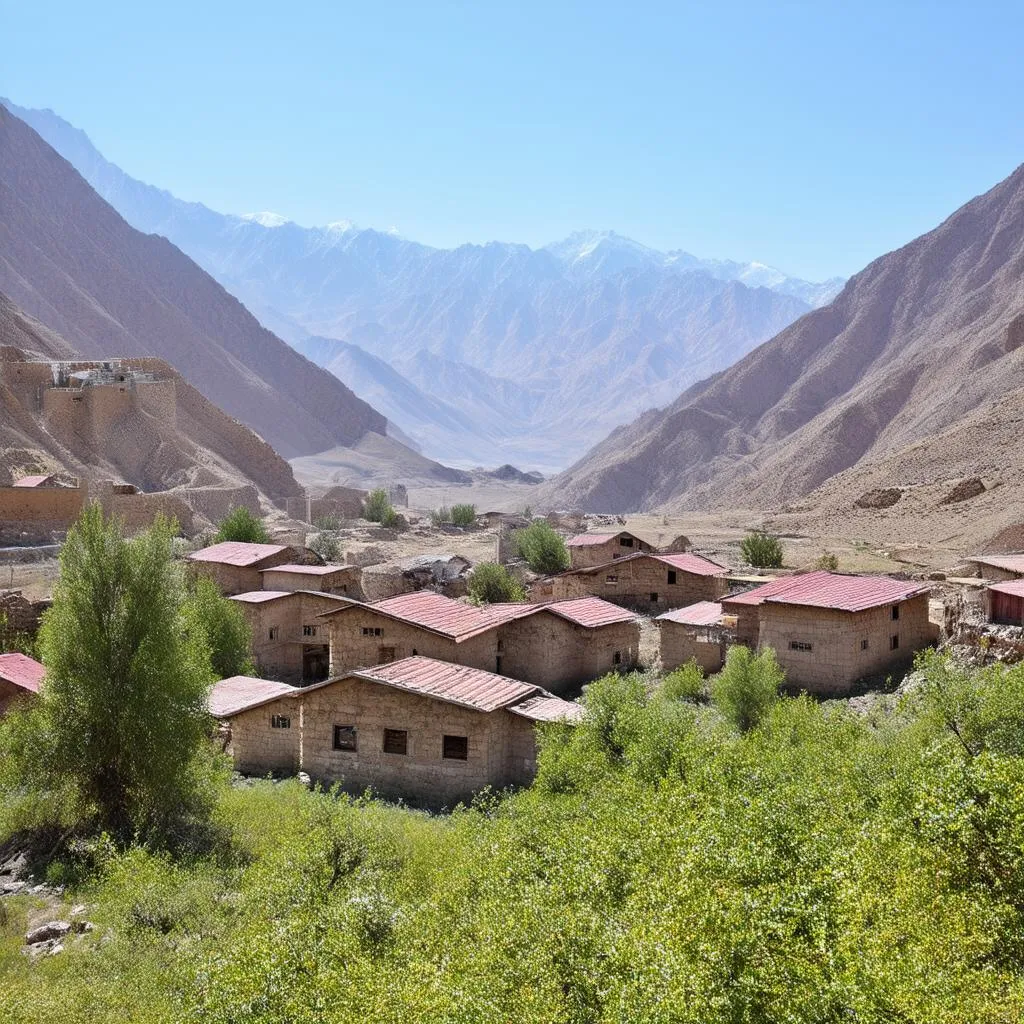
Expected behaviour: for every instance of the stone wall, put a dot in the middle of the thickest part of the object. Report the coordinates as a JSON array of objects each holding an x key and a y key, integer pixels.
[
  {"x": 681, "y": 644},
  {"x": 992, "y": 572},
  {"x": 258, "y": 748},
  {"x": 344, "y": 581},
  {"x": 280, "y": 639},
  {"x": 214, "y": 503},
  {"x": 137, "y": 510},
  {"x": 34, "y": 513},
  {"x": 240, "y": 579},
  {"x": 844, "y": 646},
  {"x": 18, "y": 614}
]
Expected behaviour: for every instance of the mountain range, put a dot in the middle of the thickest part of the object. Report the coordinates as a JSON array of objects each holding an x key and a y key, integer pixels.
[{"x": 543, "y": 350}]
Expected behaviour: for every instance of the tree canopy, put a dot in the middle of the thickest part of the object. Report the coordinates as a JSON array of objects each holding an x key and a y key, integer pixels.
[{"x": 240, "y": 524}]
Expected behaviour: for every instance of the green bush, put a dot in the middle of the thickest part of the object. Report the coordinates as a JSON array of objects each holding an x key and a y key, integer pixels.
[
  {"x": 684, "y": 683},
  {"x": 224, "y": 628},
  {"x": 761, "y": 550},
  {"x": 241, "y": 525},
  {"x": 441, "y": 516},
  {"x": 327, "y": 523},
  {"x": 377, "y": 507},
  {"x": 544, "y": 549},
  {"x": 747, "y": 686},
  {"x": 463, "y": 515},
  {"x": 327, "y": 546},
  {"x": 490, "y": 583}
]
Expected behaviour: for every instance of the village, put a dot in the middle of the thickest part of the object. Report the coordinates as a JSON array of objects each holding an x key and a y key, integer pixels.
[{"x": 384, "y": 675}]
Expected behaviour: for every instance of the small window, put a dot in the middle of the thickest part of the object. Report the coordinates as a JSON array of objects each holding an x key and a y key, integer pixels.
[
  {"x": 895, "y": 612},
  {"x": 611, "y": 579},
  {"x": 345, "y": 738},
  {"x": 497, "y": 665},
  {"x": 280, "y": 722},
  {"x": 864, "y": 645},
  {"x": 654, "y": 597},
  {"x": 800, "y": 645},
  {"x": 626, "y": 542},
  {"x": 414, "y": 652},
  {"x": 385, "y": 655},
  {"x": 894, "y": 642},
  {"x": 396, "y": 741},
  {"x": 617, "y": 658},
  {"x": 309, "y": 630},
  {"x": 455, "y": 748},
  {"x": 372, "y": 631},
  {"x": 272, "y": 632},
  {"x": 671, "y": 576}
]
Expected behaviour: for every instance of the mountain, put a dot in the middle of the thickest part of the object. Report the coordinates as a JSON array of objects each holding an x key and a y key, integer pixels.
[
  {"x": 70, "y": 261},
  {"x": 898, "y": 382},
  {"x": 577, "y": 337}
]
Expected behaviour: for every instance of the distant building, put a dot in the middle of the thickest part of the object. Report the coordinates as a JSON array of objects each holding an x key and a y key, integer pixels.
[
  {"x": 997, "y": 567},
  {"x": 428, "y": 731},
  {"x": 694, "y": 634},
  {"x": 588, "y": 549},
  {"x": 1004, "y": 603},
  {"x": 20, "y": 678},
  {"x": 645, "y": 581},
  {"x": 41, "y": 480},
  {"x": 830, "y": 630},
  {"x": 235, "y": 566},
  {"x": 330, "y": 579}
]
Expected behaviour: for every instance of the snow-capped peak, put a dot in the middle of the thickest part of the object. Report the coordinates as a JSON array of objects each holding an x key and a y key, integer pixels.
[{"x": 266, "y": 219}]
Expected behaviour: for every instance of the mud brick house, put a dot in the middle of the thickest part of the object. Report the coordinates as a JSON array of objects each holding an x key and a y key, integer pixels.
[
  {"x": 1004, "y": 603},
  {"x": 587, "y": 549},
  {"x": 648, "y": 582},
  {"x": 428, "y": 731},
  {"x": 261, "y": 744},
  {"x": 830, "y": 630},
  {"x": 997, "y": 567},
  {"x": 290, "y": 640},
  {"x": 558, "y": 645},
  {"x": 20, "y": 678},
  {"x": 235, "y": 566},
  {"x": 690, "y": 634},
  {"x": 330, "y": 579}
]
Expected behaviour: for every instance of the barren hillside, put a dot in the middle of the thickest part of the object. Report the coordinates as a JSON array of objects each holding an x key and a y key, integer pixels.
[{"x": 893, "y": 382}]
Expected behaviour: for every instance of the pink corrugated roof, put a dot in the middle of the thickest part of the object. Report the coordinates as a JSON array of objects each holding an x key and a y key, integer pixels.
[
  {"x": 1012, "y": 587},
  {"x": 703, "y": 613},
  {"x": 455, "y": 684},
  {"x": 24, "y": 672},
  {"x": 234, "y": 552},
  {"x": 1011, "y": 563},
  {"x": 450, "y": 618},
  {"x": 582, "y": 540},
  {"x": 831, "y": 590},
  {"x": 686, "y": 561},
  {"x": 545, "y": 708},
  {"x": 261, "y": 596},
  {"x": 33, "y": 481},
  {"x": 591, "y": 612},
  {"x": 242, "y": 693},
  {"x": 308, "y": 570}
]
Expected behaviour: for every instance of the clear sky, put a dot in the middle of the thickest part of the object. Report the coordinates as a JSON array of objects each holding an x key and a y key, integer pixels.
[{"x": 811, "y": 136}]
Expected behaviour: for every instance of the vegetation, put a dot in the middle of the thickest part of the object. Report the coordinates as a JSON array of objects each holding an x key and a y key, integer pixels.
[
  {"x": 14, "y": 641},
  {"x": 377, "y": 506},
  {"x": 327, "y": 523},
  {"x": 463, "y": 515},
  {"x": 747, "y": 686},
  {"x": 327, "y": 546},
  {"x": 819, "y": 866},
  {"x": 490, "y": 583},
  {"x": 544, "y": 550},
  {"x": 685, "y": 683},
  {"x": 242, "y": 525},
  {"x": 441, "y": 516},
  {"x": 828, "y": 561},
  {"x": 761, "y": 550},
  {"x": 222, "y": 623}
]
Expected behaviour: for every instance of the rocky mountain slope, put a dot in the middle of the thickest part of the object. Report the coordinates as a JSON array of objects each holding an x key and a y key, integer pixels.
[
  {"x": 901, "y": 378},
  {"x": 68, "y": 259},
  {"x": 544, "y": 351}
]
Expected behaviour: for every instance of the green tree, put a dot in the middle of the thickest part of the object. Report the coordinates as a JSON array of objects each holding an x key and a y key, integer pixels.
[
  {"x": 827, "y": 560},
  {"x": 122, "y": 717},
  {"x": 684, "y": 683},
  {"x": 326, "y": 545},
  {"x": 463, "y": 515},
  {"x": 544, "y": 549},
  {"x": 761, "y": 550},
  {"x": 222, "y": 623},
  {"x": 242, "y": 525},
  {"x": 747, "y": 686},
  {"x": 377, "y": 507},
  {"x": 490, "y": 583}
]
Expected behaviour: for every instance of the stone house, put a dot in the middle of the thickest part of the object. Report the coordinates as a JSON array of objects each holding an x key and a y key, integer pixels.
[
  {"x": 343, "y": 580},
  {"x": 1004, "y": 603},
  {"x": 588, "y": 549},
  {"x": 690, "y": 634},
  {"x": 264, "y": 743},
  {"x": 430, "y": 732},
  {"x": 289, "y": 637},
  {"x": 647, "y": 582},
  {"x": 830, "y": 630},
  {"x": 235, "y": 566},
  {"x": 20, "y": 678},
  {"x": 558, "y": 645},
  {"x": 997, "y": 567}
]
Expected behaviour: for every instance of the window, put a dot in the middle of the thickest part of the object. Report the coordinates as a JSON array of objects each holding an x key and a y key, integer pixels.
[
  {"x": 272, "y": 632},
  {"x": 626, "y": 542},
  {"x": 617, "y": 658},
  {"x": 611, "y": 579},
  {"x": 864, "y": 645},
  {"x": 455, "y": 748},
  {"x": 372, "y": 631},
  {"x": 414, "y": 652},
  {"x": 895, "y": 612},
  {"x": 309, "y": 630},
  {"x": 497, "y": 665},
  {"x": 654, "y": 597},
  {"x": 280, "y": 722},
  {"x": 345, "y": 738},
  {"x": 396, "y": 741},
  {"x": 385, "y": 655},
  {"x": 501, "y": 645},
  {"x": 800, "y": 645},
  {"x": 671, "y": 576},
  {"x": 894, "y": 642}
]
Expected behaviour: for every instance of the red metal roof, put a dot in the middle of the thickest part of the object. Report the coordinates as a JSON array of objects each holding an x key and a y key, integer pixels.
[
  {"x": 455, "y": 684},
  {"x": 242, "y": 693},
  {"x": 590, "y": 612},
  {"x": 830, "y": 590},
  {"x": 24, "y": 672},
  {"x": 261, "y": 596},
  {"x": 545, "y": 708},
  {"x": 233, "y": 552},
  {"x": 447, "y": 617},
  {"x": 703, "y": 613},
  {"x": 1013, "y": 587},
  {"x": 308, "y": 570},
  {"x": 687, "y": 561},
  {"x": 1011, "y": 563},
  {"x": 582, "y": 540},
  {"x": 33, "y": 481}
]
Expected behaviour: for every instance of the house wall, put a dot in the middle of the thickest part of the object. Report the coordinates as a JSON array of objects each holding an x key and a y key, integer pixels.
[
  {"x": 282, "y": 657},
  {"x": 585, "y": 555},
  {"x": 343, "y": 581},
  {"x": 681, "y": 644},
  {"x": 992, "y": 572},
  {"x": 837, "y": 660},
  {"x": 39, "y": 510},
  {"x": 1006, "y": 609},
  {"x": 632, "y": 583},
  {"x": 500, "y": 744},
  {"x": 238, "y": 579},
  {"x": 10, "y": 693},
  {"x": 748, "y": 622},
  {"x": 351, "y": 650},
  {"x": 259, "y": 749}
]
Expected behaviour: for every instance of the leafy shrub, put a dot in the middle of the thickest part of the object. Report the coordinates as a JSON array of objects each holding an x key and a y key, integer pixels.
[
  {"x": 394, "y": 521},
  {"x": 328, "y": 522},
  {"x": 490, "y": 583},
  {"x": 761, "y": 550},
  {"x": 241, "y": 525},
  {"x": 326, "y": 545},
  {"x": 684, "y": 683},
  {"x": 544, "y": 549},
  {"x": 223, "y": 626},
  {"x": 377, "y": 507},
  {"x": 747, "y": 686},
  {"x": 463, "y": 515},
  {"x": 828, "y": 561},
  {"x": 441, "y": 516}
]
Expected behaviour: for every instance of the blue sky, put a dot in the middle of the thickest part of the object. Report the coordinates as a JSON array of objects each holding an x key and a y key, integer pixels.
[{"x": 811, "y": 136}]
